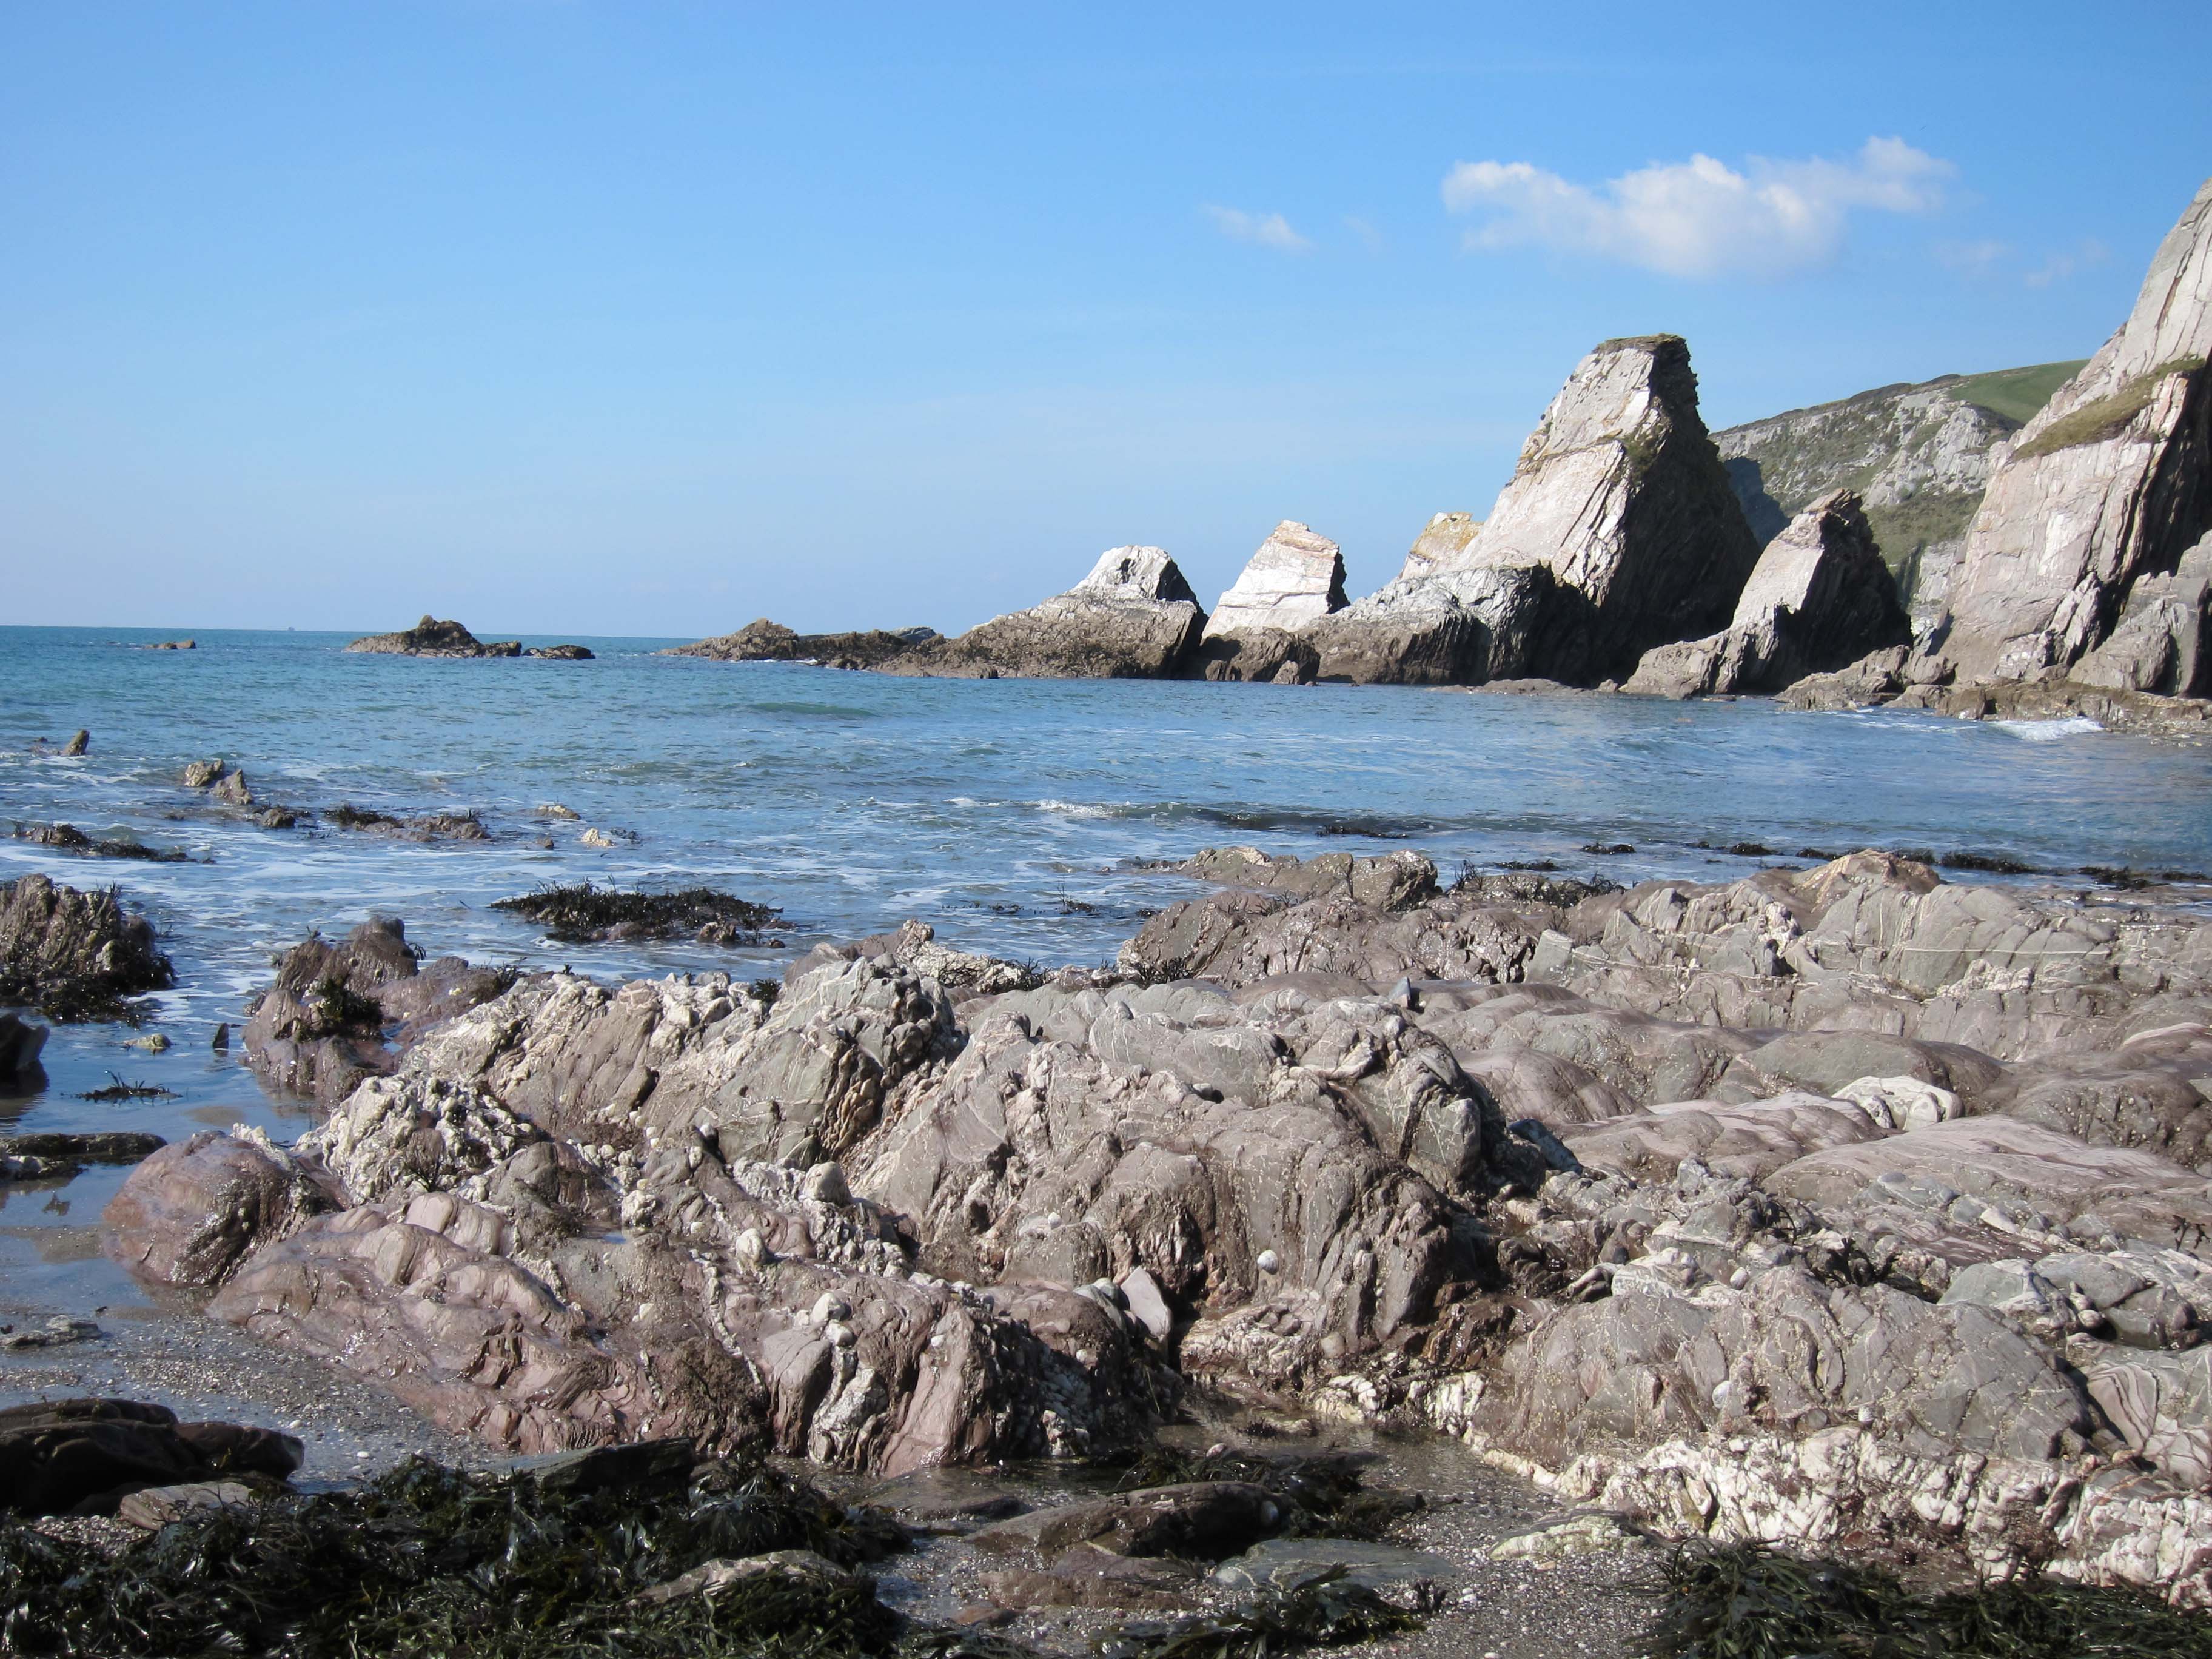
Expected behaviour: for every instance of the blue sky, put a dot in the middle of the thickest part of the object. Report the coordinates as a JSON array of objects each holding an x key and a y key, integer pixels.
[{"x": 652, "y": 318}]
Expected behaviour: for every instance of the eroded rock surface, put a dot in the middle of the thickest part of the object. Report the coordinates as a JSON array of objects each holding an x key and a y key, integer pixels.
[
  {"x": 764, "y": 641},
  {"x": 1830, "y": 1194}
]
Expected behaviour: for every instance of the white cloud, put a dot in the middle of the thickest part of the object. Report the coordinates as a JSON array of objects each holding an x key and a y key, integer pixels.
[
  {"x": 1977, "y": 259},
  {"x": 2059, "y": 266},
  {"x": 1262, "y": 229},
  {"x": 1698, "y": 218}
]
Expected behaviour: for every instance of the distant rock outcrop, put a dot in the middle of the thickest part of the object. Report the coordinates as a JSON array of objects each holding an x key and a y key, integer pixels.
[
  {"x": 1296, "y": 578},
  {"x": 764, "y": 641},
  {"x": 1133, "y": 618},
  {"x": 1918, "y": 455},
  {"x": 1819, "y": 598},
  {"x": 2109, "y": 483},
  {"x": 432, "y": 638}
]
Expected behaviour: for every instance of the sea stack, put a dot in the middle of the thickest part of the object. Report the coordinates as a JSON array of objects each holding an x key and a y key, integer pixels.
[
  {"x": 1295, "y": 578},
  {"x": 2110, "y": 484}
]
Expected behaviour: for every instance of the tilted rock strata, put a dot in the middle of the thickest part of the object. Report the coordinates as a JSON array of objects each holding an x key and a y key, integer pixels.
[
  {"x": 1441, "y": 543},
  {"x": 2111, "y": 482},
  {"x": 1818, "y": 599},
  {"x": 1294, "y": 577},
  {"x": 1621, "y": 496}
]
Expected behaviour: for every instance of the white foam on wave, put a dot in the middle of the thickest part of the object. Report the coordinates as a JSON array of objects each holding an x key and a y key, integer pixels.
[
  {"x": 1075, "y": 810},
  {"x": 2048, "y": 731}
]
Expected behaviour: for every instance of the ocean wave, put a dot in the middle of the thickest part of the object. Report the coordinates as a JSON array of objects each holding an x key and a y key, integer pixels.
[{"x": 2048, "y": 731}]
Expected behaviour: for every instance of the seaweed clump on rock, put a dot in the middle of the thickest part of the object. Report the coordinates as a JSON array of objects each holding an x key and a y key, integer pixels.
[
  {"x": 1747, "y": 1602},
  {"x": 626, "y": 1551},
  {"x": 74, "y": 954},
  {"x": 586, "y": 914}
]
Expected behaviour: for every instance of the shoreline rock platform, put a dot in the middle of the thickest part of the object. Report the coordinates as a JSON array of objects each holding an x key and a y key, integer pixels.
[{"x": 1753, "y": 1212}]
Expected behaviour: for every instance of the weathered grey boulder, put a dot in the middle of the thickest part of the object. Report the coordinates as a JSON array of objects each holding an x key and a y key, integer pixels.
[
  {"x": 1621, "y": 496},
  {"x": 1133, "y": 618},
  {"x": 71, "y": 952},
  {"x": 1819, "y": 598},
  {"x": 2109, "y": 483},
  {"x": 1652, "y": 1362}
]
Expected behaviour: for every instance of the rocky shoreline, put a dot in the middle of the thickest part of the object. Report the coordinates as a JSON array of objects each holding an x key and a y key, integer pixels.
[
  {"x": 1625, "y": 555},
  {"x": 1842, "y": 1208}
]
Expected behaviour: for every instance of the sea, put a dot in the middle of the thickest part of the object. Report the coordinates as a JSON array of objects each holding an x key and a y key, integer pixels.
[{"x": 1019, "y": 818}]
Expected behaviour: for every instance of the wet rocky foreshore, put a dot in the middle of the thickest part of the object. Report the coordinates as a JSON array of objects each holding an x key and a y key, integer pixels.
[{"x": 1842, "y": 1209}]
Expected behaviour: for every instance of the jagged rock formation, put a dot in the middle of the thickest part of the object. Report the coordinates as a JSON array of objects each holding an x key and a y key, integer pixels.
[
  {"x": 1295, "y": 579},
  {"x": 72, "y": 953},
  {"x": 1918, "y": 455},
  {"x": 1818, "y": 599},
  {"x": 1620, "y": 532},
  {"x": 340, "y": 1013},
  {"x": 1620, "y": 495},
  {"x": 764, "y": 641},
  {"x": 1133, "y": 618},
  {"x": 433, "y": 638},
  {"x": 2109, "y": 483}
]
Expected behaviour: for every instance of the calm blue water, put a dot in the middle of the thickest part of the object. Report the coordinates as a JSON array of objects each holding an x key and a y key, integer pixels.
[{"x": 1006, "y": 813}]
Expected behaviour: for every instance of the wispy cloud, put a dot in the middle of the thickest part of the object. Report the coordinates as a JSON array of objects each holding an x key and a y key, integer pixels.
[
  {"x": 1260, "y": 229},
  {"x": 2059, "y": 266},
  {"x": 1371, "y": 238},
  {"x": 1977, "y": 259},
  {"x": 1698, "y": 218}
]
